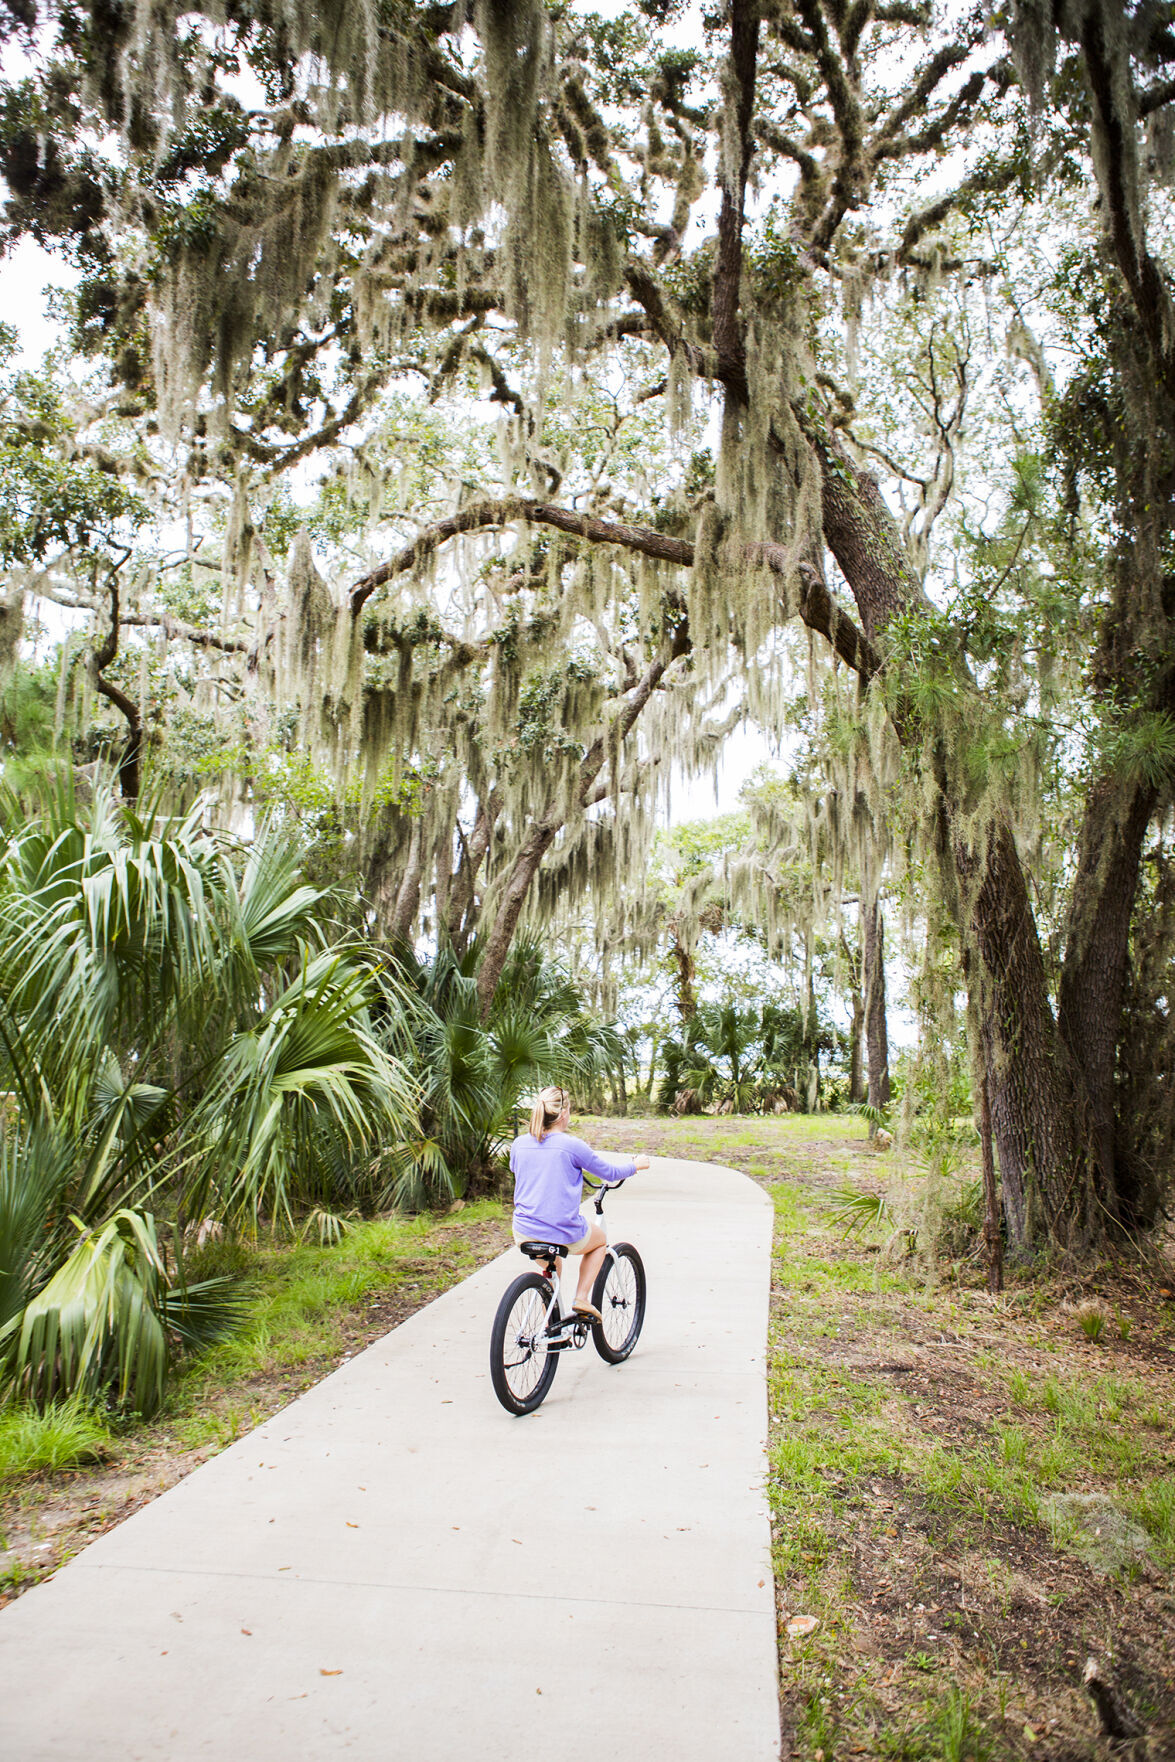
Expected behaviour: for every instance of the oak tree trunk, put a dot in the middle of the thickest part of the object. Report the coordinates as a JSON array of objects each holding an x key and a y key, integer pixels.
[
  {"x": 1043, "y": 1166},
  {"x": 1094, "y": 975},
  {"x": 876, "y": 1036}
]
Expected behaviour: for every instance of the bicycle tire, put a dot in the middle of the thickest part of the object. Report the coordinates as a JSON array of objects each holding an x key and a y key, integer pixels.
[
  {"x": 520, "y": 1326},
  {"x": 619, "y": 1295}
]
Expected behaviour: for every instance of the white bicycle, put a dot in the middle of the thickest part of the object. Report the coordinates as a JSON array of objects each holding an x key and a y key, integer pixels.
[{"x": 530, "y": 1329}]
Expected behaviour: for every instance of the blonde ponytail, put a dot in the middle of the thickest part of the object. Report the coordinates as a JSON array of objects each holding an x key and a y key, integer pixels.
[{"x": 549, "y": 1104}]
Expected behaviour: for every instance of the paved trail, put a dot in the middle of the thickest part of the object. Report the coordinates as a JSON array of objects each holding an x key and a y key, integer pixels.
[{"x": 394, "y": 1569}]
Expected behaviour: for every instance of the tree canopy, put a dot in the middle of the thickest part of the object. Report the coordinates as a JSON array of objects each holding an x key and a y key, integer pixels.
[{"x": 504, "y": 386}]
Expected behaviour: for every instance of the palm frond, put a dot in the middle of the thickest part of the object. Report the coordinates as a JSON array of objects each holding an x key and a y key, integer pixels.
[
  {"x": 854, "y": 1208},
  {"x": 270, "y": 912},
  {"x": 326, "y": 1227},
  {"x": 199, "y": 1314},
  {"x": 416, "y": 1175},
  {"x": 35, "y": 1170},
  {"x": 97, "y": 1322},
  {"x": 310, "y": 1069}
]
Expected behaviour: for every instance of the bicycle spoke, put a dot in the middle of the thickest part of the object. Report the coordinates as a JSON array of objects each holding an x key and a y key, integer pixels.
[
  {"x": 525, "y": 1327},
  {"x": 619, "y": 1302}
]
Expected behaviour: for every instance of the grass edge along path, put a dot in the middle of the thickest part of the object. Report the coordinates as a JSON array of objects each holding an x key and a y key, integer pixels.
[
  {"x": 67, "y": 1476},
  {"x": 942, "y": 1465}
]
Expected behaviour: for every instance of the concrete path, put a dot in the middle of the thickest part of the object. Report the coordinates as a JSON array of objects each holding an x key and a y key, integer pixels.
[{"x": 394, "y": 1569}]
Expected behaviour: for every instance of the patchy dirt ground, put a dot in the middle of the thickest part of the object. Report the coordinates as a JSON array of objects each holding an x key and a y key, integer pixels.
[
  {"x": 971, "y": 1498},
  {"x": 44, "y": 1519}
]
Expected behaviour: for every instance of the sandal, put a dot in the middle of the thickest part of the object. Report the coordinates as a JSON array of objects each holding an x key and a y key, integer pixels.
[{"x": 587, "y": 1309}]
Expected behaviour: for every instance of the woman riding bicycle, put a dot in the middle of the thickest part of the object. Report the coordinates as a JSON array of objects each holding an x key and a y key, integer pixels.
[{"x": 548, "y": 1165}]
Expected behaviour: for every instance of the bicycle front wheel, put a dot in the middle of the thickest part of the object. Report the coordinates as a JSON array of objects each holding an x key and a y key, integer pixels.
[
  {"x": 619, "y": 1295},
  {"x": 521, "y": 1367}
]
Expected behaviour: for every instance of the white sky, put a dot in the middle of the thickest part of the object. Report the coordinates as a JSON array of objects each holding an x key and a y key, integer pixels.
[{"x": 26, "y": 275}]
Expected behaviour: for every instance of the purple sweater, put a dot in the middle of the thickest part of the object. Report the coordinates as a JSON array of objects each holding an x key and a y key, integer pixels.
[{"x": 548, "y": 1179}]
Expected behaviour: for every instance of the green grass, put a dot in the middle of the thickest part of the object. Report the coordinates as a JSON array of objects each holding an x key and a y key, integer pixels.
[
  {"x": 66, "y": 1435},
  {"x": 978, "y": 1486},
  {"x": 753, "y": 1131},
  {"x": 299, "y": 1294},
  {"x": 739, "y": 1131},
  {"x": 874, "y": 1476},
  {"x": 1154, "y": 1507}
]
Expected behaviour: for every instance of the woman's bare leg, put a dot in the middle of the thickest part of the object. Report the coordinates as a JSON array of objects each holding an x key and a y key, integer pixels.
[{"x": 591, "y": 1260}]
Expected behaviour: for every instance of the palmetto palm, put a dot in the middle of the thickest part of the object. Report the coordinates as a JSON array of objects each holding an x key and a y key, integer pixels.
[
  {"x": 741, "y": 1056},
  {"x": 300, "y": 1090},
  {"x": 174, "y": 1021},
  {"x": 472, "y": 1073}
]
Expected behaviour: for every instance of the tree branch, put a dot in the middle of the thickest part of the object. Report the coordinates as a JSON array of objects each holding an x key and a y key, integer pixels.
[
  {"x": 817, "y": 607},
  {"x": 727, "y": 332},
  {"x": 128, "y": 764}
]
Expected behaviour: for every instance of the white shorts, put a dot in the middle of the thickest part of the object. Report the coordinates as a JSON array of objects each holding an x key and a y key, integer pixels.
[{"x": 579, "y": 1247}]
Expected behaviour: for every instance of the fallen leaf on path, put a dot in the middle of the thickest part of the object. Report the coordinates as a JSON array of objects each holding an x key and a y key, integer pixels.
[
  {"x": 330, "y": 1673},
  {"x": 350, "y": 1525},
  {"x": 247, "y": 1631}
]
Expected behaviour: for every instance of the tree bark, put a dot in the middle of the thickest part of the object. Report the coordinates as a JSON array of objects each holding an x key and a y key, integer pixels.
[
  {"x": 462, "y": 907},
  {"x": 1037, "y": 1131},
  {"x": 1095, "y": 971},
  {"x": 993, "y": 1234},
  {"x": 1034, "y": 1122},
  {"x": 876, "y": 1035},
  {"x": 725, "y": 326},
  {"x": 403, "y": 916},
  {"x": 128, "y": 764},
  {"x": 858, "y": 1091},
  {"x": 681, "y": 965},
  {"x": 523, "y": 870}
]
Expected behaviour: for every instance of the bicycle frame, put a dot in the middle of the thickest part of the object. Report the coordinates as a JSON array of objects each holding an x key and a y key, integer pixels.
[{"x": 555, "y": 1322}]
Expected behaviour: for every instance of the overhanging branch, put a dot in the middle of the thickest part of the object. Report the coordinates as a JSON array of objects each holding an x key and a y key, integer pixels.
[{"x": 818, "y": 610}]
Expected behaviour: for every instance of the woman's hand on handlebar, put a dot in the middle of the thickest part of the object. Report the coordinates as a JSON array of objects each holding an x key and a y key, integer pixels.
[{"x": 642, "y": 1162}]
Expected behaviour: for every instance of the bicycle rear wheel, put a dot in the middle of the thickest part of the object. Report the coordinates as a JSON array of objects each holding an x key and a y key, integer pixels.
[
  {"x": 619, "y": 1295},
  {"x": 521, "y": 1367}
]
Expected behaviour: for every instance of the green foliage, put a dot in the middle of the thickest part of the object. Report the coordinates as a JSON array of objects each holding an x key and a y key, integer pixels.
[
  {"x": 63, "y": 1434},
  {"x": 173, "y": 1021},
  {"x": 36, "y": 1169},
  {"x": 52, "y": 497},
  {"x": 473, "y": 1076},
  {"x": 102, "y": 1321},
  {"x": 853, "y": 1208},
  {"x": 1142, "y": 749},
  {"x": 304, "y": 1088},
  {"x": 747, "y": 1058}
]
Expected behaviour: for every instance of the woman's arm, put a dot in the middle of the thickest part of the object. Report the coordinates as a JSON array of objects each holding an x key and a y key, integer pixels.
[{"x": 604, "y": 1167}]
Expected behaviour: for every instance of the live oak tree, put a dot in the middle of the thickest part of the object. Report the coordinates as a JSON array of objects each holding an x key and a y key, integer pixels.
[{"x": 310, "y": 201}]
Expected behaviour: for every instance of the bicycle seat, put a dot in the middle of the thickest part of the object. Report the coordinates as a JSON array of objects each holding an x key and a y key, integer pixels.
[{"x": 544, "y": 1250}]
